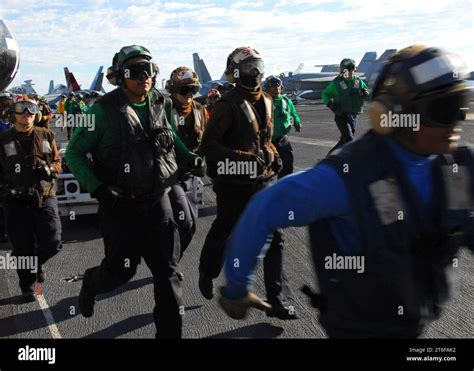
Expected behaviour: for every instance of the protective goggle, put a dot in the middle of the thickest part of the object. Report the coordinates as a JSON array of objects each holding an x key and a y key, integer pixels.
[
  {"x": 21, "y": 107},
  {"x": 443, "y": 111},
  {"x": 188, "y": 89},
  {"x": 253, "y": 67},
  {"x": 138, "y": 71}
]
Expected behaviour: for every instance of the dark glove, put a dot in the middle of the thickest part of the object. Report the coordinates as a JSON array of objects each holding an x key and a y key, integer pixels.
[
  {"x": 277, "y": 165},
  {"x": 162, "y": 138},
  {"x": 332, "y": 105},
  {"x": 107, "y": 195},
  {"x": 237, "y": 308},
  {"x": 364, "y": 92},
  {"x": 199, "y": 167},
  {"x": 261, "y": 164},
  {"x": 298, "y": 128},
  {"x": 43, "y": 171}
]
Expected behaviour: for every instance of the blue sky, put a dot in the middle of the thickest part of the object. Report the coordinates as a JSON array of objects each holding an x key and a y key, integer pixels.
[{"x": 85, "y": 34}]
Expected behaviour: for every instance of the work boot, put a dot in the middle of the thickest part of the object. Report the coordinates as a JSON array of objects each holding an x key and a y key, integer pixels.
[
  {"x": 86, "y": 302},
  {"x": 206, "y": 286},
  {"x": 281, "y": 311},
  {"x": 40, "y": 275},
  {"x": 28, "y": 294}
]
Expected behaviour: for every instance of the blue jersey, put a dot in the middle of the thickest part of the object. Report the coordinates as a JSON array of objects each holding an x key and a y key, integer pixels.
[{"x": 301, "y": 199}]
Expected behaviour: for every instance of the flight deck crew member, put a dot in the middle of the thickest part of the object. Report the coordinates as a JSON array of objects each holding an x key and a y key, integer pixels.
[
  {"x": 345, "y": 97},
  {"x": 189, "y": 119},
  {"x": 135, "y": 153},
  {"x": 29, "y": 164},
  {"x": 68, "y": 106},
  {"x": 284, "y": 116},
  {"x": 242, "y": 161},
  {"x": 398, "y": 202}
]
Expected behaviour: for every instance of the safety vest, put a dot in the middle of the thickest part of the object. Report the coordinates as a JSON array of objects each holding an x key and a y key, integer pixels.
[
  {"x": 282, "y": 118},
  {"x": 348, "y": 100},
  {"x": 133, "y": 162},
  {"x": 17, "y": 166},
  {"x": 190, "y": 130},
  {"x": 408, "y": 249},
  {"x": 247, "y": 133}
]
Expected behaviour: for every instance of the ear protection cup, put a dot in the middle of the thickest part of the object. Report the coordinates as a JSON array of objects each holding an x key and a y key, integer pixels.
[
  {"x": 230, "y": 77},
  {"x": 112, "y": 76},
  {"x": 380, "y": 105},
  {"x": 377, "y": 108},
  {"x": 170, "y": 84},
  {"x": 38, "y": 117},
  {"x": 11, "y": 116}
]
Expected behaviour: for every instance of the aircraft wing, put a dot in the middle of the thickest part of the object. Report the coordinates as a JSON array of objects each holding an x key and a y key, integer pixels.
[{"x": 315, "y": 80}]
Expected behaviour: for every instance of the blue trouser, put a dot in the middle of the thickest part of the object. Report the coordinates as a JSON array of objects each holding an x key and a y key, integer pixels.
[
  {"x": 346, "y": 124},
  {"x": 183, "y": 197},
  {"x": 33, "y": 231}
]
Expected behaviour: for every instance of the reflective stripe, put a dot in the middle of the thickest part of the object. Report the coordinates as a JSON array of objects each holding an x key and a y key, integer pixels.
[
  {"x": 437, "y": 67},
  {"x": 10, "y": 149},
  {"x": 457, "y": 186},
  {"x": 268, "y": 106},
  {"x": 198, "y": 119},
  {"x": 46, "y": 147},
  {"x": 132, "y": 117},
  {"x": 248, "y": 111},
  {"x": 343, "y": 85},
  {"x": 387, "y": 200}
]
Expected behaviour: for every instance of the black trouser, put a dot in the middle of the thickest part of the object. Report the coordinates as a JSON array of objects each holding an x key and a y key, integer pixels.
[
  {"x": 183, "y": 198},
  {"x": 69, "y": 130},
  {"x": 231, "y": 201},
  {"x": 346, "y": 124},
  {"x": 132, "y": 230},
  {"x": 25, "y": 226},
  {"x": 286, "y": 154}
]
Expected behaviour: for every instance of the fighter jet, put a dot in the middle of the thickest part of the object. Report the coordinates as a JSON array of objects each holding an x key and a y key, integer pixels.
[
  {"x": 206, "y": 81},
  {"x": 9, "y": 56},
  {"x": 55, "y": 92},
  {"x": 25, "y": 88}
]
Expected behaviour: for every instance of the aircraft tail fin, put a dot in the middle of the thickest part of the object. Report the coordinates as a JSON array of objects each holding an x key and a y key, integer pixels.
[
  {"x": 98, "y": 79},
  {"x": 386, "y": 55},
  {"x": 51, "y": 87},
  {"x": 71, "y": 81},
  {"x": 367, "y": 62},
  {"x": 298, "y": 69},
  {"x": 201, "y": 69}
]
